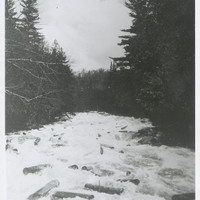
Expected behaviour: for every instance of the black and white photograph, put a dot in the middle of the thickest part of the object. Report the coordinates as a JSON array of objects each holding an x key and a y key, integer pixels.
[{"x": 99, "y": 100}]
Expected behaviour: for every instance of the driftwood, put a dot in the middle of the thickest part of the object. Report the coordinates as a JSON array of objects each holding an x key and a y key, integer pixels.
[
  {"x": 44, "y": 190},
  {"x": 107, "y": 146},
  {"x": 37, "y": 140},
  {"x": 108, "y": 190},
  {"x": 135, "y": 181},
  {"x": 35, "y": 169},
  {"x": 61, "y": 195},
  {"x": 186, "y": 196}
]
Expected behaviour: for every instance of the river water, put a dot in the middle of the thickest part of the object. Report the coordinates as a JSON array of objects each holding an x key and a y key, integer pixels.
[{"x": 103, "y": 143}]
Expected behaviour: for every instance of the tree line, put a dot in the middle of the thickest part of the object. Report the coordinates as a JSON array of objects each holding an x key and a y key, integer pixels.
[
  {"x": 156, "y": 76},
  {"x": 39, "y": 80},
  {"x": 160, "y": 49},
  {"x": 158, "y": 82}
]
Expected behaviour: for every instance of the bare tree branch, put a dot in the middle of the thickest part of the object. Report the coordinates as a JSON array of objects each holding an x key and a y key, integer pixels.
[
  {"x": 34, "y": 98},
  {"x": 28, "y": 71},
  {"x": 45, "y": 74},
  {"x": 39, "y": 62}
]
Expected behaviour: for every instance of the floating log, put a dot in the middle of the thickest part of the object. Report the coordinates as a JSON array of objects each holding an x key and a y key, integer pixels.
[
  {"x": 35, "y": 169},
  {"x": 107, "y": 146},
  {"x": 128, "y": 173},
  {"x": 59, "y": 145},
  {"x": 61, "y": 195},
  {"x": 186, "y": 196},
  {"x": 16, "y": 150},
  {"x": 123, "y": 127},
  {"x": 132, "y": 132},
  {"x": 102, "y": 172},
  {"x": 135, "y": 181},
  {"x": 73, "y": 167},
  {"x": 101, "y": 150},
  {"x": 95, "y": 174},
  {"x": 85, "y": 168},
  {"x": 37, "y": 140},
  {"x": 171, "y": 172},
  {"x": 8, "y": 146},
  {"x": 44, "y": 190},
  {"x": 108, "y": 190}
]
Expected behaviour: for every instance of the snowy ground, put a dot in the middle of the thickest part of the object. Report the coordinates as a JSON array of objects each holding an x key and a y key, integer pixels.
[{"x": 162, "y": 171}]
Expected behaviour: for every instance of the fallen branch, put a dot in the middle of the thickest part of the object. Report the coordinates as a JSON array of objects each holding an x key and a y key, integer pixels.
[
  {"x": 44, "y": 190},
  {"x": 108, "y": 190},
  {"x": 61, "y": 195}
]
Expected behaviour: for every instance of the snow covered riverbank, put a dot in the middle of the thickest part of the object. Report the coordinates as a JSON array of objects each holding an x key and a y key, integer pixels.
[{"x": 85, "y": 140}]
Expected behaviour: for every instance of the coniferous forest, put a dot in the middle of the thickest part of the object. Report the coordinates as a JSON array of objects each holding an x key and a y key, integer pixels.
[{"x": 154, "y": 79}]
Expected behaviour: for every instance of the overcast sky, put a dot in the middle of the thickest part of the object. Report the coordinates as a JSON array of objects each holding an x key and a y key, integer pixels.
[{"x": 87, "y": 30}]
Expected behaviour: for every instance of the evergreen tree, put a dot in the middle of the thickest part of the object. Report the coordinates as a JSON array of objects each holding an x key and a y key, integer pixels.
[
  {"x": 29, "y": 22},
  {"x": 38, "y": 78},
  {"x": 10, "y": 17},
  {"x": 160, "y": 51}
]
